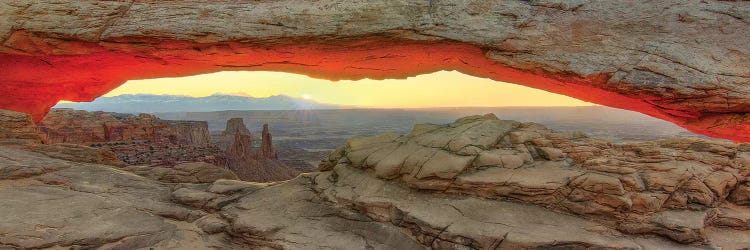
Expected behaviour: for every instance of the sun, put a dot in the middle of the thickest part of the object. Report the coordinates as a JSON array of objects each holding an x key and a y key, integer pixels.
[{"x": 306, "y": 96}]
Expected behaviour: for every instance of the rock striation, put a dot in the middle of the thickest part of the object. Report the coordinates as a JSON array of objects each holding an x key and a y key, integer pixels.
[
  {"x": 191, "y": 172},
  {"x": 667, "y": 187},
  {"x": 17, "y": 127},
  {"x": 266, "y": 145},
  {"x": 234, "y": 126},
  {"x": 83, "y": 127},
  {"x": 251, "y": 165},
  {"x": 77, "y": 153},
  {"x": 189, "y": 132},
  {"x": 687, "y": 62},
  {"x": 229, "y": 135},
  {"x": 522, "y": 187},
  {"x": 242, "y": 147},
  {"x": 140, "y": 139}
]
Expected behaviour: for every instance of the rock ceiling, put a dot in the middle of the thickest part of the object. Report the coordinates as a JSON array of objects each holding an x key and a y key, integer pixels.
[{"x": 687, "y": 62}]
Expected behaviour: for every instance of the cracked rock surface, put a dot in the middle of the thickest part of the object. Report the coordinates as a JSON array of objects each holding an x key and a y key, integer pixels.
[
  {"x": 676, "y": 188},
  {"x": 687, "y": 62},
  {"x": 497, "y": 184}
]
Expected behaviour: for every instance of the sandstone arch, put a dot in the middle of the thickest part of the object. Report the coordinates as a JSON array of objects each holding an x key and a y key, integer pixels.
[{"x": 687, "y": 62}]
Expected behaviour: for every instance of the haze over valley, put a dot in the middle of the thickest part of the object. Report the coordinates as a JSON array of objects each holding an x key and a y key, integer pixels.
[{"x": 305, "y": 131}]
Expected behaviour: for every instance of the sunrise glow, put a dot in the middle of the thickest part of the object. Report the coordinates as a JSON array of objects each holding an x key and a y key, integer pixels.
[{"x": 440, "y": 89}]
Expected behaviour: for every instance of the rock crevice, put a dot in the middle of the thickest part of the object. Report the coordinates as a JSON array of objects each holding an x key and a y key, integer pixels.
[
  {"x": 682, "y": 61},
  {"x": 526, "y": 187}
]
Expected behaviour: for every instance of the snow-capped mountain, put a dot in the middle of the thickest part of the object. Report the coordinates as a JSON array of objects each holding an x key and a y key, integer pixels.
[{"x": 145, "y": 103}]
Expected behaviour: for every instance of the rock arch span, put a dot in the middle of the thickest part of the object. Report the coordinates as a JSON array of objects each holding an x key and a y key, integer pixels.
[{"x": 687, "y": 62}]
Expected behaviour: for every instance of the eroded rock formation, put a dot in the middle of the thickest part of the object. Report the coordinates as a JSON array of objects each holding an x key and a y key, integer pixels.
[
  {"x": 250, "y": 165},
  {"x": 17, "y": 127},
  {"x": 83, "y": 127},
  {"x": 266, "y": 145},
  {"x": 241, "y": 149},
  {"x": 77, "y": 153},
  {"x": 234, "y": 126},
  {"x": 190, "y": 132},
  {"x": 191, "y": 172},
  {"x": 229, "y": 135},
  {"x": 687, "y": 62},
  {"x": 672, "y": 188},
  {"x": 525, "y": 187},
  {"x": 140, "y": 139}
]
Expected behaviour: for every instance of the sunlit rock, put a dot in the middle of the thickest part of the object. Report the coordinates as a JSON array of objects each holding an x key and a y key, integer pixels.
[{"x": 682, "y": 61}]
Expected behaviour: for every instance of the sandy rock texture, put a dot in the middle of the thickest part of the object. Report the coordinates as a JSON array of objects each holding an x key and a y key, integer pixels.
[
  {"x": 677, "y": 188},
  {"x": 17, "y": 127},
  {"x": 191, "y": 172},
  {"x": 83, "y": 127},
  {"x": 687, "y": 62},
  {"x": 259, "y": 165},
  {"x": 477, "y": 183}
]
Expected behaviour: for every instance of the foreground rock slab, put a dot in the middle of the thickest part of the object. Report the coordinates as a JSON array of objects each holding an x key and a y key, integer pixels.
[
  {"x": 478, "y": 183},
  {"x": 668, "y": 188},
  {"x": 79, "y": 205}
]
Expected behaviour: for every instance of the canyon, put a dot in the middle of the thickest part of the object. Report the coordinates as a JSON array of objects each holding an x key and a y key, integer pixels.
[
  {"x": 682, "y": 61},
  {"x": 82, "y": 127},
  {"x": 477, "y": 183},
  {"x": 141, "y": 139},
  {"x": 149, "y": 144},
  {"x": 98, "y": 180},
  {"x": 260, "y": 165}
]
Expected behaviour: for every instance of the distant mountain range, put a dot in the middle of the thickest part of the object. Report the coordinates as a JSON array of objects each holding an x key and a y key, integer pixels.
[{"x": 144, "y": 103}]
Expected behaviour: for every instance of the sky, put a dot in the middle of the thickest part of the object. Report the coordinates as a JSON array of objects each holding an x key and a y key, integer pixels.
[{"x": 439, "y": 89}]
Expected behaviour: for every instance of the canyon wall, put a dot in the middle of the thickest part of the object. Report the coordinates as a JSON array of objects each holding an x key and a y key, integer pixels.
[
  {"x": 687, "y": 62},
  {"x": 82, "y": 127},
  {"x": 18, "y": 127},
  {"x": 189, "y": 132}
]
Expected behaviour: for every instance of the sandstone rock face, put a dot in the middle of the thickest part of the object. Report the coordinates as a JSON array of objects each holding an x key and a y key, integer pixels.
[
  {"x": 663, "y": 187},
  {"x": 17, "y": 127},
  {"x": 229, "y": 135},
  {"x": 683, "y": 61},
  {"x": 250, "y": 165},
  {"x": 266, "y": 146},
  {"x": 136, "y": 139},
  {"x": 234, "y": 126},
  {"x": 190, "y": 132},
  {"x": 192, "y": 172},
  {"x": 383, "y": 192},
  {"x": 253, "y": 166},
  {"x": 241, "y": 148},
  {"x": 77, "y": 153},
  {"x": 82, "y": 127},
  {"x": 59, "y": 203}
]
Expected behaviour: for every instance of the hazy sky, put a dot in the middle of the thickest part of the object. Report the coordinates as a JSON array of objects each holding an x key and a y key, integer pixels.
[{"x": 440, "y": 89}]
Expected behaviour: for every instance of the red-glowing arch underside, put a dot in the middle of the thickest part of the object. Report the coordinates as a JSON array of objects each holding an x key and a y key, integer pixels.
[{"x": 35, "y": 77}]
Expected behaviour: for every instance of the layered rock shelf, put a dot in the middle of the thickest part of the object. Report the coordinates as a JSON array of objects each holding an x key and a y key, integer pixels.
[
  {"x": 674, "y": 188},
  {"x": 682, "y": 61},
  {"x": 83, "y": 127},
  {"x": 477, "y": 183}
]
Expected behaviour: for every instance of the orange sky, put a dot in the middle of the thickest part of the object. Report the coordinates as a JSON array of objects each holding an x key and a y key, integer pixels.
[{"x": 440, "y": 89}]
